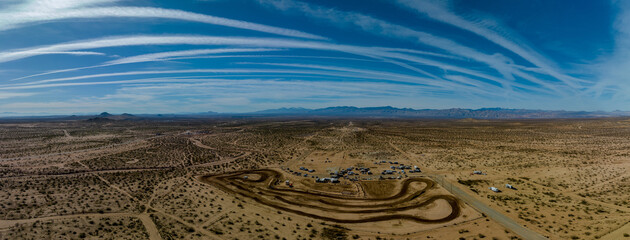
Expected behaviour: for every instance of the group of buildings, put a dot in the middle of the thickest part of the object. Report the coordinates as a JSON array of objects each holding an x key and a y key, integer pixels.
[
  {"x": 353, "y": 173},
  {"x": 494, "y": 189}
]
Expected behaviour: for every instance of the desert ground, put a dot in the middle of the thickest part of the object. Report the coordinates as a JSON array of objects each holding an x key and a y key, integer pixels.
[{"x": 257, "y": 179}]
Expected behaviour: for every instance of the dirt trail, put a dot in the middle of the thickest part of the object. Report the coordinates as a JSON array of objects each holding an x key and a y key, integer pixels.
[
  {"x": 209, "y": 235},
  {"x": 146, "y": 220},
  {"x": 480, "y": 206},
  {"x": 149, "y": 225},
  {"x": 11, "y": 223},
  {"x": 618, "y": 233},
  {"x": 88, "y": 172},
  {"x": 232, "y": 148},
  {"x": 222, "y": 161},
  {"x": 111, "y": 146},
  {"x": 200, "y": 144}
]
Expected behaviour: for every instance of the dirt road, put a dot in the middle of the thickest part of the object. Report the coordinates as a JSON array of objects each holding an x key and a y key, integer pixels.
[
  {"x": 478, "y": 205},
  {"x": 110, "y": 146},
  {"x": 149, "y": 225},
  {"x": 488, "y": 211},
  {"x": 9, "y": 223},
  {"x": 619, "y": 233}
]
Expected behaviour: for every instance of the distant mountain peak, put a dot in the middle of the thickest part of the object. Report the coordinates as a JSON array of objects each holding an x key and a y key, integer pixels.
[
  {"x": 452, "y": 113},
  {"x": 291, "y": 110},
  {"x": 105, "y": 116}
]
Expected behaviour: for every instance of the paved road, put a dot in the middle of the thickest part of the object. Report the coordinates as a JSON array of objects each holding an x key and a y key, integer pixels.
[{"x": 488, "y": 211}]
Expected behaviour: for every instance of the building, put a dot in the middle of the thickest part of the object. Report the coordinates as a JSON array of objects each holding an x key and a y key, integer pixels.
[{"x": 322, "y": 180}]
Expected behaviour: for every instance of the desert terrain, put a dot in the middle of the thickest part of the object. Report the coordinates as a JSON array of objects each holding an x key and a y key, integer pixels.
[{"x": 314, "y": 179}]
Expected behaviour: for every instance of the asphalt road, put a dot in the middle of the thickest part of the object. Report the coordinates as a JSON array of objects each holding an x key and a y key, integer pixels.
[{"x": 488, "y": 211}]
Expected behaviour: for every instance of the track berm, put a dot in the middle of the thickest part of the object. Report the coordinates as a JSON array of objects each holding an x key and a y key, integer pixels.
[{"x": 264, "y": 186}]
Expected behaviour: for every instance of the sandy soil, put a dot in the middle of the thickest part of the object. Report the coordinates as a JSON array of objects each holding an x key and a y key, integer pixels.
[{"x": 127, "y": 179}]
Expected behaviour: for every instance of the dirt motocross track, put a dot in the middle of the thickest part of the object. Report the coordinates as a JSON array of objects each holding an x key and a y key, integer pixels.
[{"x": 267, "y": 187}]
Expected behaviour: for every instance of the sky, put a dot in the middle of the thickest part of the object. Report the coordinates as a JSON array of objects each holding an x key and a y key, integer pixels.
[{"x": 143, "y": 56}]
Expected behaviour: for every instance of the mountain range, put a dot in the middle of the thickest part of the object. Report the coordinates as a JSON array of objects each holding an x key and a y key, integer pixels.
[
  {"x": 453, "y": 113},
  {"x": 357, "y": 112}
]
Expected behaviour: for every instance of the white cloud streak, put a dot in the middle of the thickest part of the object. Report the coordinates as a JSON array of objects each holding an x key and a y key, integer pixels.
[
  {"x": 233, "y": 41},
  {"x": 383, "y": 28},
  {"x": 41, "y": 11},
  {"x": 340, "y": 72},
  {"x": 144, "y": 40},
  {"x": 463, "y": 68},
  {"x": 613, "y": 73},
  {"x": 164, "y": 56},
  {"x": 437, "y": 11},
  {"x": 79, "y": 53},
  {"x": 7, "y": 95},
  {"x": 377, "y": 74},
  {"x": 160, "y": 56},
  {"x": 195, "y": 94},
  {"x": 346, "y": 73}
]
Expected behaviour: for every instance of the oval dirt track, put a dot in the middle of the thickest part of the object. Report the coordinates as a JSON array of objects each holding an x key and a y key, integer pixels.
[{"x": 263, "y": 186}]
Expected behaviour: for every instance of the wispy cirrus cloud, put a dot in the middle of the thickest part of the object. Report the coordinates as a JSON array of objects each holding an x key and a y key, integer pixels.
[
  {"x": 461, "y": 84},
  {"x": 78, "y": 53},
  {"x": 237, "y": 41},
  {"x": 7, "y": 95},
  {"x": 139, "y": 41},
  {"x": 164, "y": 56},
  {"x": 38, "y": 11},
  {"x": 392, "y": 76},
  {"x": 391, "y": 30},
  {"x": 211, "y": 40},
  {"x": 249, "y": 65},
  {"x": 614, "y": 71},
  {"x": 220, "y": 94},
  {"x": 439, "y": 11},
  {"x": 155, "y": 57},
  {"x": 337, "y": 72},
  {"x": 52, "y": 5}
]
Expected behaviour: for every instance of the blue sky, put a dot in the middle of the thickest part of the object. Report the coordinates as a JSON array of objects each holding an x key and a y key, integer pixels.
[{"x": 89, "y": 56}]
